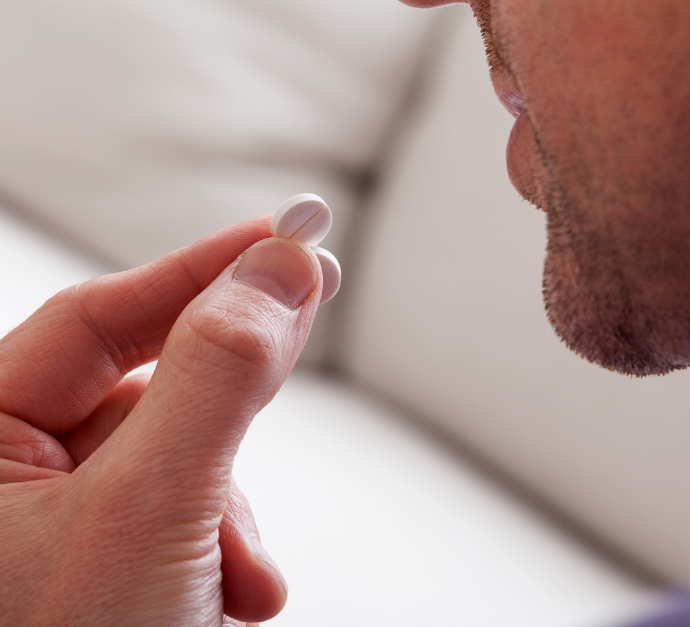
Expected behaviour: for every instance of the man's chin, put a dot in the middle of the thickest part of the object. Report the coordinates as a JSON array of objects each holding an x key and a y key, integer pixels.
[
  {"x": 604, "y": 329},
  {"x": 600, "y": 303}
]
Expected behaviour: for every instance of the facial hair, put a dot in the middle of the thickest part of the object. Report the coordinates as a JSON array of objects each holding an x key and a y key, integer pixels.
[
  {"x": 587, "y": 294},
  {"x": 591, "y": 292}
]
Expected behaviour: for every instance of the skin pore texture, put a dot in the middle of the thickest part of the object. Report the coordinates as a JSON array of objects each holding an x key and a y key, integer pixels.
[{"x": 601, "y": 94}]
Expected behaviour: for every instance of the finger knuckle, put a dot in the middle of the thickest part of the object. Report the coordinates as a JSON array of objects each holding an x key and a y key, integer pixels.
[{"x": 247, "y": 339}]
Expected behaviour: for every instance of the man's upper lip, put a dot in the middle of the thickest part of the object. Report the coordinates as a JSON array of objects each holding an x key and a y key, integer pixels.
[{"x": 508, "y": 92}]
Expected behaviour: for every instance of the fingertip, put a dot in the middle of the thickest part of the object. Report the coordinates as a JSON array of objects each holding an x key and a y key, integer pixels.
[
  {"x": 254, "y": 589},
  {"x": 263, "y": 557}
]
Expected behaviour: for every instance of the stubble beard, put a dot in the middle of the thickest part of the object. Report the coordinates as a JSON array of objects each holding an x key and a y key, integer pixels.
[
  {"x": 590, "y": 296},
  {"x": 589, "y": 292}
]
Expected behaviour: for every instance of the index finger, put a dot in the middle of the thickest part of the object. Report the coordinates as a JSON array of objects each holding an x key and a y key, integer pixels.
[{"x": 58, "y": 366}]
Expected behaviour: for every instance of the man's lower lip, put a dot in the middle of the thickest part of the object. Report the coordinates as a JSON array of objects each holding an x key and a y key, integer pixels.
[{"x": 518, "y": 157}]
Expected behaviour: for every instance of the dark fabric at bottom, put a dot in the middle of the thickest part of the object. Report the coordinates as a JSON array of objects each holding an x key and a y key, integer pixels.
[{"x": 675, "y": 614}]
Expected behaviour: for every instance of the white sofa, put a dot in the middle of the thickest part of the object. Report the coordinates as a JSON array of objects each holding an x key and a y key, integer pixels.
[{"x": 439, "y": 457}]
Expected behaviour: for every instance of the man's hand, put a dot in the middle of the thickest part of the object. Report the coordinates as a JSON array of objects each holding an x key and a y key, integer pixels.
[{"x": 118, "y": 505}]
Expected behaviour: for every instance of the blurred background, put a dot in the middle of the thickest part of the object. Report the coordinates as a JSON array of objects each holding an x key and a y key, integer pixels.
[{"x": 438, "y": 457}]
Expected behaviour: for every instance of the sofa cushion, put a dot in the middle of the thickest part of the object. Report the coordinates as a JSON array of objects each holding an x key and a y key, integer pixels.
[{"x": 373, "y": 524}]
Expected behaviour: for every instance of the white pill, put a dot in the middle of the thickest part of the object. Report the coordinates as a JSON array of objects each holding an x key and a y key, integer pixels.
[
  {"x": 330, "y": 269},
  {"x": 305, "y": 217}
]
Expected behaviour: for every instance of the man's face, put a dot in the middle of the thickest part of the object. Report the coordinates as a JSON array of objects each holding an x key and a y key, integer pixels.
[{"x": 601, "y": 93}]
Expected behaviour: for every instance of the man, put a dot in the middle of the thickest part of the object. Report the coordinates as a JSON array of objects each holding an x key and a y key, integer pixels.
[{"x": 140, "y": 532}]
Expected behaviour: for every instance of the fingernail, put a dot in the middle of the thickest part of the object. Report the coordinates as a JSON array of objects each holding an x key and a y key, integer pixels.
[
  {"x": 264, "y": 556},
  {"x": 280, "y": 269}
]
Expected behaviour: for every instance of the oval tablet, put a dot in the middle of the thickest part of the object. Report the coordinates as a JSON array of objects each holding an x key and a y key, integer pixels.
[
  {"x": 305, "y": 217},
  {"x": 330, "y": 269}
]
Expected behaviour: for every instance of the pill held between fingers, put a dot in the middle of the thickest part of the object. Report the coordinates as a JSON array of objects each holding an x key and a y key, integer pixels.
[
  {"x": 330, "y": 269},
  {"x": 305, "y": 217}
]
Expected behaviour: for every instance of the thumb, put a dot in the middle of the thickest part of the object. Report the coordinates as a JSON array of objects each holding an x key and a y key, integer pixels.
[{"x": 225, "y": 358}]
